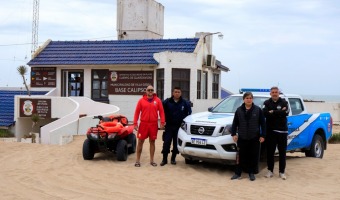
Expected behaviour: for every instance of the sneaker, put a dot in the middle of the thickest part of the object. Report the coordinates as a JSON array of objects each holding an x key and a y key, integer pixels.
[
  {"x": 283, "y": 176},
  {"x": 269, "y": 174},
  {"x": 235, "y": 176},
  {"x": 252, "y": 177},
  {"x": 164, "y": 162}
]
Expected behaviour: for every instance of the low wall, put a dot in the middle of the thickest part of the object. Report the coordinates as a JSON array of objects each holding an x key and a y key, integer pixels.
[{"x": 332, "y": 108}]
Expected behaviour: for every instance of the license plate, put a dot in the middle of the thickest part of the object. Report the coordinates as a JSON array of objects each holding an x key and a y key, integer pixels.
[{"x": 198, "y": 141}]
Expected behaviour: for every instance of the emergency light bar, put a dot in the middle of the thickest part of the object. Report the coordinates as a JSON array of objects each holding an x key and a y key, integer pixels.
[{"x": 242, "y": 90}]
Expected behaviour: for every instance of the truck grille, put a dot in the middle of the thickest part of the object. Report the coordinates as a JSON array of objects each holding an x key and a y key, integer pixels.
[{"x": 202, "y": 130}]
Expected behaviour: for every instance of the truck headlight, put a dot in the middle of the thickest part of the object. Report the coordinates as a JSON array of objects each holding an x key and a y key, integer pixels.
[
  {"x": 111, "y": 136},
  {"x": 184, "y": 126},
  {"x": 226, "y": 130}
]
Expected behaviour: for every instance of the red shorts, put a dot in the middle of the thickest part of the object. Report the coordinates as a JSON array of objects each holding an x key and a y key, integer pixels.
[{"x": 146, "y": 130}]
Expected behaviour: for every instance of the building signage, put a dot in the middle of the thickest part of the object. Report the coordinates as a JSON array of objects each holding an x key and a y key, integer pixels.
[
  {"x": 43, "y": 77},
  {"x": 41, "y": 107},
  {"x": 130, "y": 82}
]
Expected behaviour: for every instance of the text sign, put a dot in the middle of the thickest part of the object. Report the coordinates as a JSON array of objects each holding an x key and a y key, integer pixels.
[
  {"x": 41, "y": 107},
  {"x": 130, "y": 82},
  {"x": 43, "y": 77}
]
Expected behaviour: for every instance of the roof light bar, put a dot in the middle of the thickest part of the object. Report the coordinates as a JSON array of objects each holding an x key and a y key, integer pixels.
[{"x": 242, "y": 90}]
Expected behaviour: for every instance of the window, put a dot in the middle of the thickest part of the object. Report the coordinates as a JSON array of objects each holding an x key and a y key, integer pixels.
[
  {"x": 296, "y": 106},
  {"x": 100, "y": 85},
  {"x": 181, "y": 78},
  {"x": 205, "y": 85},
  {"x": 160, "y": 83},
  {"x": 199, "y": 74},
  {"x": 215, "y": 86}
]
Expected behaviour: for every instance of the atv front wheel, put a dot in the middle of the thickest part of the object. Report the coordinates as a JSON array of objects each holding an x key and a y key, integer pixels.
[
  {"x": 122, "y": 150},
  {"x": 88, "y": 150}
]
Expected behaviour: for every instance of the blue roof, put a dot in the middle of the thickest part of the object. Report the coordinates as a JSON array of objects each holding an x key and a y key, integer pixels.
[
  {"x": 110, "y": 52},
  {"x": 7, "y": 105}
]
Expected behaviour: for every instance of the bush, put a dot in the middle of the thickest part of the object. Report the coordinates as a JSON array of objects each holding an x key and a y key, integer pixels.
[
  {"x": 6, "y": 133},
  {"x": 334, "y": 139}
]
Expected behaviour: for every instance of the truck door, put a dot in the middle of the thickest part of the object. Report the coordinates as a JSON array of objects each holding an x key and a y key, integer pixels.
[{"x": 298, "y": 125}]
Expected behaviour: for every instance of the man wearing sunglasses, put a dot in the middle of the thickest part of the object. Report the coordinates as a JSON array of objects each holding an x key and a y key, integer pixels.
[{"x": 149, "y": 108}]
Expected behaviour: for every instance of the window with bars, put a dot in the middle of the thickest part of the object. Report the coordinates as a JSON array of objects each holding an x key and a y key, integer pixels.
[
  {"x": 160, "y": 83},
  {"x": 199, "y": 74},
  {"x": 100, "y": 85},
  {"x": 181, "y": 78},
  {"x": 215, "y": 86},
  {"x": 205, "y": 85}
]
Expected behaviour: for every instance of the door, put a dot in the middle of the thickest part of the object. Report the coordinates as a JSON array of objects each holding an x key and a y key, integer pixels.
[{"x": 72, "y": 83}]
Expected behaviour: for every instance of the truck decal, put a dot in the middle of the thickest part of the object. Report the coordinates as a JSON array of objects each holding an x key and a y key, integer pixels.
[{"x": 294, "y": 134}]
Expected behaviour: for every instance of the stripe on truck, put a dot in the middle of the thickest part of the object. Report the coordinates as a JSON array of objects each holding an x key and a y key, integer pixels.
[{"x": 301, "y": 128}]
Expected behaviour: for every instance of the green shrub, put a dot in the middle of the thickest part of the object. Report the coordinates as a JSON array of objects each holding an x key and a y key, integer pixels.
[
  {"x": 6, "y": 133},
  {"x": 335, "y": 138}
]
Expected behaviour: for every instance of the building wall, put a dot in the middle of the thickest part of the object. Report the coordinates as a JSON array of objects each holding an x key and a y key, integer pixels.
[{"x": 140, "y": 19}]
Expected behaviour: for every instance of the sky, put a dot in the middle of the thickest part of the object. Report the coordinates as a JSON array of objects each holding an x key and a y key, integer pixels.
[{"x": 293, "y": 44}]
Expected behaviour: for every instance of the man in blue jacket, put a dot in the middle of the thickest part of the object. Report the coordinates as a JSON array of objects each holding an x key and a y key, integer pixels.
[{"x": 175, "y": 109}]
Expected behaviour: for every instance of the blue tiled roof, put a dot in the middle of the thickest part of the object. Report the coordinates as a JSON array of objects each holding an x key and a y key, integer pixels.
[
  {"x": 7, "y": 105},
  {"x": 110, "y": 52}
]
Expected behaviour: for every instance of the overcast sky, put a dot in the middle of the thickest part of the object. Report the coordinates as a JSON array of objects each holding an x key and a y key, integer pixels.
[{"x": 294, "y": 44}]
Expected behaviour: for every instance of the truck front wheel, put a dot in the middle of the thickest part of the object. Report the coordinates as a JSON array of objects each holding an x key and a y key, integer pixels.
[{"x": 317, "y": 147}]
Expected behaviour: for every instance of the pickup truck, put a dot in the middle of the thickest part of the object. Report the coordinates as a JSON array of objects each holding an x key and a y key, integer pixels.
[{"x": 205, "y": 136}]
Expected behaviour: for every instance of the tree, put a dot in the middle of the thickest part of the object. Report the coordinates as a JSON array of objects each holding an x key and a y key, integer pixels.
[{"x": 23, "y": 71}]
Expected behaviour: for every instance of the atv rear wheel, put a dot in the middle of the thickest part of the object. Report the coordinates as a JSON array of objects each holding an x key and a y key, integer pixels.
[
  {"x": 122, "y": 150},
  {"x": 88, "y": 150},
  {"x": 131, "y": 140}
]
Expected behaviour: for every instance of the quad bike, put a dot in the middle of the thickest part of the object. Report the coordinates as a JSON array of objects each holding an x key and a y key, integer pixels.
[{"x": 112, "y": 134}]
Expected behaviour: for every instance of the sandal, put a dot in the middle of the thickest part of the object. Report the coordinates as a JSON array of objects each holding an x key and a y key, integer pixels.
[
  {"x": 153, "y": 164},
  {"x": 137, "y": 164}
]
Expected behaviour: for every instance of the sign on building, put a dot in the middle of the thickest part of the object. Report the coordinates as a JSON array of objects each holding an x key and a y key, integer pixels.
[
  {"x": 41, "y": 107},
  {"x": 43, "y": 77},
  {"x": 130, "y": 82}
]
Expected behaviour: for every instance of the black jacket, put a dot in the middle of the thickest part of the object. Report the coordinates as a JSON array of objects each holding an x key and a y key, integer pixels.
[
  {"x": 175, "y": 112},
  {"x": 248, "y": 124},
  {"x": 278, "y": 119}
]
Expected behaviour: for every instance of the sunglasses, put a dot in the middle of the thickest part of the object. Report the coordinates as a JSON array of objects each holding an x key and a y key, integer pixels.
[{"x": 149, "y": 90}]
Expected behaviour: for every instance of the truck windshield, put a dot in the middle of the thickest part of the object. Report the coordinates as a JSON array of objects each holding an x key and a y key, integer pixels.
[{"x": 230, "y": 104}]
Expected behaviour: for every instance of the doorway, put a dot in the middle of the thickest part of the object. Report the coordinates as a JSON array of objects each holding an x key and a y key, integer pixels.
[{"x": 72, "y": 83}]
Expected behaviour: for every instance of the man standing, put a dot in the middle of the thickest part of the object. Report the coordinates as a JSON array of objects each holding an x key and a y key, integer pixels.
[
  {"x": 148, "y": 109},
  {"x": 176, "y": 109},
  {"x": 276, "y": 111},
  {"x": 250, "y": 125}
]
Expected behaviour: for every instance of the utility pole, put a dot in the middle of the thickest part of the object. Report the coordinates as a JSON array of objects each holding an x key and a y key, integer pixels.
[{"x": 35, "y": 26}]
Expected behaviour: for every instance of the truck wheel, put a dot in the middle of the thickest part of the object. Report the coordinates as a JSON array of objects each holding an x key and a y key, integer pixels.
[
  {"x": 122, "y": 150},
  {"x": 88, "y": 150},
  {"x": 131, "y": 140},
  {"x": 316, "y": 148}
]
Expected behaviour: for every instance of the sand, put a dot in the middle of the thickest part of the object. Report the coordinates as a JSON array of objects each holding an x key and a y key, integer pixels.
[{"x": 36, "y": 171}]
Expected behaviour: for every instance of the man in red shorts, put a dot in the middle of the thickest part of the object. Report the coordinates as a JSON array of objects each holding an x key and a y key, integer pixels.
[{"x": 148, "y": 108}]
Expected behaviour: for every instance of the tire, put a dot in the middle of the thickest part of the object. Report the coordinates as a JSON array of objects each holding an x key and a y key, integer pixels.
[
  {"x": 317, "y": 147},
  {"x": 122, "y": 150},
  {"x": 88, "y": 150},
  {"x": 131, "y": 140},
  {"x": 191, "y": 162}
]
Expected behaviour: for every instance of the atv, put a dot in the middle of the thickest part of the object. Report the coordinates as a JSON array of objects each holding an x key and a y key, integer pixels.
[{"x": 112, "y": 134}]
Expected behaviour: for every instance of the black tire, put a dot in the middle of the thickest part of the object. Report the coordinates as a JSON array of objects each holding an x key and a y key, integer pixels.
[
  {"x": 317, "y": 147},
  {"x": 122, "y": 150},
  {"x": 191, "y": 162},
  {"x": 88, "y": 150},
  {"x": 131, "y": 140}
]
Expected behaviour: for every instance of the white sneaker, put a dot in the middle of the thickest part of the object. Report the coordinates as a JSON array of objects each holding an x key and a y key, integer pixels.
[
  {"x": 283, "y": 176},
  {"x": 269, "y": 174}
]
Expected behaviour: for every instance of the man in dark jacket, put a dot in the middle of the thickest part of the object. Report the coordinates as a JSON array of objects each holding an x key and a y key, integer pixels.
[
  {"x": 249, "y": 123},
  {"x": 176, "y": 109},
  {"x": 276, "y": 111}
]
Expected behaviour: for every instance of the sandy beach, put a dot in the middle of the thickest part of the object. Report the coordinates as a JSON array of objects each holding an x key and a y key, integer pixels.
[{"x": 35, "y": 171}]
